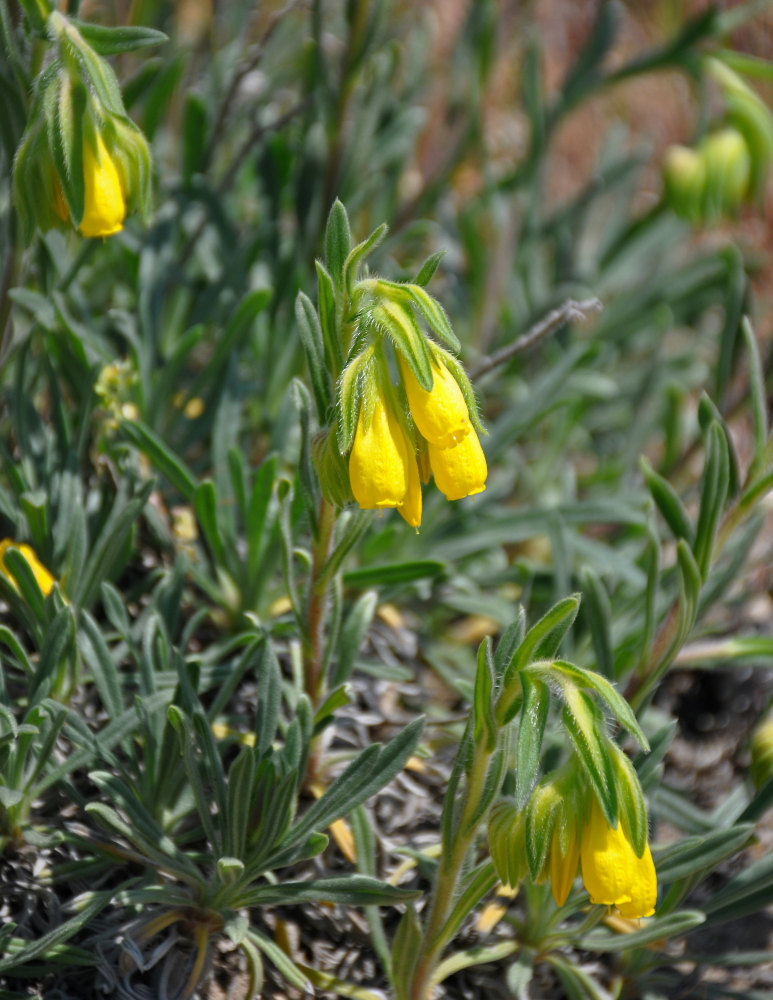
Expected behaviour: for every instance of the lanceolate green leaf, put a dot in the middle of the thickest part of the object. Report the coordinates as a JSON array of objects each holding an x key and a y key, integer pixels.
[
  {"x": 405, "y": 952},
  {"x": 162, "y": 457},
  {"x": 541, "y": 642},
  {"x": 434, "y": 315},
  {"x": 633, "y": 813},
  {"x": 371, "y": 770},
  {"x": 484, "y": 725},
  {"x": 665, "y": 929},
  {"x": 714, "y": 489},
  {"x": 694, "y": 855},
  {"x": 581, "y": 723},
  {"x": 108, "y": 41},
  {"x": 428, "y": 268},
  {"x": 668, "y": 502},
  {"x": 358, "y": 890},
  {"x": 598, "y": 610},
  {"x": 399, "y": 323},
  {"x": 540, "y": 822},
  {"x": 92, "y": 905},
  {"x": 351, "y": 386},
  {"x": 359, "y": 254},
  {"x": 352, "y": 635},
  {"x": 602, "y": 687},
  {"x": 314, "y": 349},
  {"x": 328, "y": 318},
  {"x": 531, "y": 729},
  {"x": 283, "y": 962},
  {"x": 338, "y": 242},
  {"x": 749, "y": 891}
]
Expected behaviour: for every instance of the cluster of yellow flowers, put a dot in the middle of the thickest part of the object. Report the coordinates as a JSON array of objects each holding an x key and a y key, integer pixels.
[
  {"x": 612, "y": 872},
  {"x": 386, "y": 467}
]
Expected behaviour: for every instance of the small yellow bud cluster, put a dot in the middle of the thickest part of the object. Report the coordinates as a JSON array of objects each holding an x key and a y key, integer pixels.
[
  {"x": 384, "y": 462},
  {"x": 711, "y": 180}
]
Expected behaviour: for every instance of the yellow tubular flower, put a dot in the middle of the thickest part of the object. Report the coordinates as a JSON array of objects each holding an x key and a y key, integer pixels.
[
  {"x": 410, "y": 509},
  {"x": 440, "y": 414},
  {"x": 44, "y": 579},
  {"x": 459, "y": 471},
  {"x": 379, "y": 469},
  {"x": 105, "y": 205},
  {"x": 611, "y": 871},
  {"x": 563, "y": 867}
]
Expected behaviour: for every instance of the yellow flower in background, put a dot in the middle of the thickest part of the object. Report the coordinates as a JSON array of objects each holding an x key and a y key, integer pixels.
[
  {"x": 611, "y": 870},
  {"x": 441, "y": 414},
  {"x": 43, "y": 578},
  {"x": 105, "y": 204},
  {"x": 459, "y": 471},
  {"x": 380, "y": 470},
  {"x": 564, "y": 859}
]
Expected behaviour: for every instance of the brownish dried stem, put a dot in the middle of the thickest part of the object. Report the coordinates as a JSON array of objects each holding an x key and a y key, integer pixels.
[
  {"x": 250, "y": 63},
  {"x": 570, "y": 310}
]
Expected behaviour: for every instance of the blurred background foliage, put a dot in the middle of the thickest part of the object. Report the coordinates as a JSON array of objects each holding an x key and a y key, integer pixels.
[{"x": 152, "y": 424}]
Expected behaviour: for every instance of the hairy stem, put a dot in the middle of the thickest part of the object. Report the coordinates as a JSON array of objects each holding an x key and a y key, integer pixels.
[
  {"x": 448, "y": 876},
  {"x": 314, "y": 651}
]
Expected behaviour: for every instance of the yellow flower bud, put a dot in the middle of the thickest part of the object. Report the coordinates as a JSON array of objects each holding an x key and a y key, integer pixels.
[
  {"x": 441, "y": 414},
  {"x": 460, "y": 470},
  {"x": 728, "y": 170},
  {"x": 611, "y": 871},
  {"x": 564, "y": 859},
  {"x": 684, "y": 174},
  {"x": 43, "y": 578},
  {"x": 382, "y": 466},
  {"x": 105, "y": 204}
]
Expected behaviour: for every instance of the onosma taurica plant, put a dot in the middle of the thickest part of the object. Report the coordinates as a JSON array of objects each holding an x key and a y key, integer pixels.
[{"x": 370, "y": 498}]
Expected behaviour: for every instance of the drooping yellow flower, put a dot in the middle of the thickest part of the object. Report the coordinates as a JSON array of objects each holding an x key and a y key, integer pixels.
[
  {"x": 43, "y": 578},
  {"x": 410, "y": 508},
  {"x": 611, "y": 870},
  {"x": 459, "y": 471},
  {"x": 380, "y": 470},
  {"x": 105, "y": 204},
  {"x": 564, "y": 859},
  {"x": 441, "y": 414}
]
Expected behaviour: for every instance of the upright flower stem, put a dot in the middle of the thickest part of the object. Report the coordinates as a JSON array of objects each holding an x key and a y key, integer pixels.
[
  {"x": 449, "y": 872},
  {"x": 315, "y": 640},
  {"x": 314, "y": 644}
]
